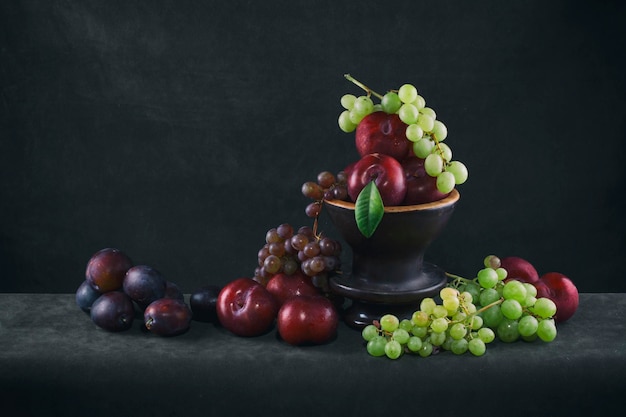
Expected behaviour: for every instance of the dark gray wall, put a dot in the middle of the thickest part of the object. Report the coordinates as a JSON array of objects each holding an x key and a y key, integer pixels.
[{"x": 181, "y": 131}]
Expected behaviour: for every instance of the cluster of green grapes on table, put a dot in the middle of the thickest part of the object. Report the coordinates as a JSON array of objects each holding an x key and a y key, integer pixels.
[{"x": 466, "y": 316}]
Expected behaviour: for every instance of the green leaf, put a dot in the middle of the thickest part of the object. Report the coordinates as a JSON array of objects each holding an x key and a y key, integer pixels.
[{"x": 369, "y": 209}]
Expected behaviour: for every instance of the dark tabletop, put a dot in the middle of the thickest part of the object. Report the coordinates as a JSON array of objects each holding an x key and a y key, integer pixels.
[{"x": 55, "y": 362}]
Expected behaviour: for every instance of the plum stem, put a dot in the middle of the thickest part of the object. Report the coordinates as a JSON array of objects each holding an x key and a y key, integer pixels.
[{"x": 363, "y": 86}]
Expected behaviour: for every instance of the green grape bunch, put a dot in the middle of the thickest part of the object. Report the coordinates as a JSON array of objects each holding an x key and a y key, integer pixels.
[
  {"x": 423, "y": 129},
  {"x": 466, "y": 316}
]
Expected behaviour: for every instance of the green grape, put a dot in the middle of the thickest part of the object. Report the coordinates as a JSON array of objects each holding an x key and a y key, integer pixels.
[
  {"x": 363, "y": 105},
  {"x": 546, "y": 330},
  {"x": 414, "y": 133},
  {"x": 347, "y": 101},
  {"x": 477, "y": 347},
  {"x": 426, "y": 122},
  {"x": 473, "y": 289},
  {"x": 437, "y": 338},
  {"x": 420, "y": 318},
  {"x": 440, "y": 311},
  {"x": 544, "y": 308},
  {"x": 440, "y": 130},
  {"x": 433, "y": 164},
  {"x": 487, "y": 277},
  {"x": 426, "y": 350},
  {"x": 530, "y": 338},
  {"x": 419, "y": 331},
  {"x": 401, "y": 336},
  {"x": 486, "y": 334},
  {"x": 406, "y": 324},
  {"x": 356, "y": 117},
  {"x": 492, "y": 317},
  {"x": 423, "y": 147},
  {"x": 376, "y": 346},
  {"x": 459, "y": 346},
  {"x": 393, "y": 349},
  {"x": 470, "y": 308},
  {"x": 476, "y": 322},
  {"x": 345, "y": 123},
  {"x": 452, "y": 305},
  {"x": 447, "y": 344},
  {"x": 511, "y": 309},
  {"x": 408, "y": 113},
  {"x": 488, "y": 296},
  {"x": 458, "y": 331},
  {"x": 467, "y": 296},
  {"x": 407, "y": 93},
  {"x": 427, "y": 305},
  {"x": 391, "y": 102},
  {"x": 445, "y": 182},
  {"x": 419, "y": 102},
  {"x": 514, "y": 290},
  {"x": 448, "y": 292},
  {"x": 507, "y": 330},
  {"x": 492, "y": 261},
  {"x": 428, "y": 112},
  {"x": 439, "y": 325},
  {"x": 530, "y": 289},
  {"x": 369, "y": 332},
  {"x": 529, "y": 301},
  {"x": 445, "y": 152},
  {"x": 377, "y": 107},
  {"x": 459, "y": 316},
  {"x": 389, "y": 323},
  {"x": 414, "y": 344},
  {"x": 527, "y": 326}
]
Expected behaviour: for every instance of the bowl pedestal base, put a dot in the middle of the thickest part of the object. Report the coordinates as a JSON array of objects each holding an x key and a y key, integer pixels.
[{"x": 370, "y": 301}]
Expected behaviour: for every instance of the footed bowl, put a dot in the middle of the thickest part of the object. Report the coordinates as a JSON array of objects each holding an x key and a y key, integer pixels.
[{"x": 389, "y": 274}]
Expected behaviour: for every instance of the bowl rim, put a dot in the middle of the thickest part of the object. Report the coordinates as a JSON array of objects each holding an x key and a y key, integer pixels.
[{"x": 450, "y": 199}]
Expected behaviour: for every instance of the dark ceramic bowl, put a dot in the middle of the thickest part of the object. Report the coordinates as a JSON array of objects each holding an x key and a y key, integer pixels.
[{"x": 388, "y": 273}]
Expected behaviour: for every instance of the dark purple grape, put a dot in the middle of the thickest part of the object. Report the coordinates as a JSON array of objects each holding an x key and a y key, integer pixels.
[
  {"x": 272, "y": 236},
  {"x": 327, "y": 246},
  {"x": 285, "y": 231},
  {"x": 113, "y": 311},
  {"x": 107, "y": 268},
  {"x": 272, "y": 264},
  {"x": 325, "y": 179},
  {"x": 277, "y": 248},
  {"x": 312, "y": 190},
  {"x": 313, "y": 210},
  {"x": 340, "y": 192},
  {"x": 86, "y": 294},
  {"x": 167, "y": 317},
  {"x": 308, "y": 232},
  {"x": 299, "y": 241},
  {"x": 144, "y": 285},
  {"x": 311, "y": 249},
  {"x": 172, "y": 290},
  {"x": 203, "y": 303}
]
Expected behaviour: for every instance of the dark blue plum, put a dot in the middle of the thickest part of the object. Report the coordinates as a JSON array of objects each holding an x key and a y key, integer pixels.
[
  {"x": 144, "y": 285},
  {"x": 167, "y": 317},
  {"x": 107, "y": 268},
  {"x": 203, "y": 302},
  {"x": 86, "y": 294},
  {"x": 113, "y": 311},
  {"x": 173, "y": 291}
]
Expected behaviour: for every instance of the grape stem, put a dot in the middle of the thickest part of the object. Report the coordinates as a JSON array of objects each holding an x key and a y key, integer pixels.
[
  {"x": 459, "y": 279},
  {"x": 363, "y": 86}
]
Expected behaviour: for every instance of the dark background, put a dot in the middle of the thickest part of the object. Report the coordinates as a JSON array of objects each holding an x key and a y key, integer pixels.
[{"x": 180, "y": 132}]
